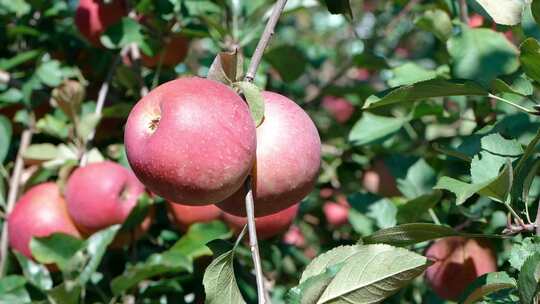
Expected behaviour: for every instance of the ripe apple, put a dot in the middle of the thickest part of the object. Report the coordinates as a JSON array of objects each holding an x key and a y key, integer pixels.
[
  {"x": 92, "y": 17},
  {"x": 458, "y": 262},
  {"x": 336, "y": 214},
  {"x": 295, "y": 237},
  {"x": 288, "y": 159},
  {"x": 476, "y": 20},
  {"x": 267, "y": 226},
  {"x": 340, "y": 108},
  {"x": 174, "y": 51},
  {"x": 191, "y": 140},
  {"x": 100, "y": 195},
  {"x": 40, "y": 212},
  {"x": 184, "y": 216},
  {"x": 378, "y": 179}
]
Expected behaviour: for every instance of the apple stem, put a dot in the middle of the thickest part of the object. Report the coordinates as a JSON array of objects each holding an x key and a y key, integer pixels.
[
  {"x": 265, "y": 39},
  {"x": 14, "y": 184}
]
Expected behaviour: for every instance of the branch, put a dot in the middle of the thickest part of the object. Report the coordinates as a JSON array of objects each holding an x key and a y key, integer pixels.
[
  {"x": 463, "y": 11},
  {"x": 265, "y": 39},
  {"x": 136, "y": 57},
  {"x": 250, "y": 75},
  {"x": 14, "y": 184}
]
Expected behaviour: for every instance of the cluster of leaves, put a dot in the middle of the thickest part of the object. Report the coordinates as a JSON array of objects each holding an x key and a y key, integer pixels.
[{"x": 448, "y": 106}]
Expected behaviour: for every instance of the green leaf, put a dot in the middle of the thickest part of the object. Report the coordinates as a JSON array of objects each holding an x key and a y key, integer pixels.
[
  {"x": 137, "y": 214},
  {"x": 289, "y": 61},
  {"x": 178, "y": 258},
  {"x": 12, "y": 290},
  {"x": 419, "y": 180},
  {"x": 20, "y": 58},
  {"x": 485, "y": 285},
  {"x": 58, "y": 248},
  {"x": 36, "y": 274},
  {"x": 408, "y": 234},
  {"x": 328, "y": 259},
  {"x": 481, "y": 54},
  {"x": 226, "y": 68},
  {"x": 535, "y": 9},
  {"x": 11, "y": 95},
  {"x": 410, "y": 73},
  {"x": 5, "y": 137},
  {"x": 520, "y": 86},
  {"x": 309, "y": 291},
  {"x": 219, "y": 282},
  {"x": 339, "y": 7},
  {"x": 372, "y": 127},
  {"x": 94, "y": 249},
  {"x": 424, "y": 90},
  {"x": 125, "y": 32},
  {"x": 413, "y": 209},
  {"x": 522, "y": 250},
  {"x": 50, "y": 73},
  {"x": 69, "y": 292},
  {"x": 87, "y": 124},
  {"x": 254, "y": 99},
  {"x": 506, "y": 12},
  {"x": 530, "y": 58},
  {"x": 437, "y": 22},
  {"x": 528, "y": 278},
  {"x": 40, "y": 152},
  {"x": 373, "y": 274}
]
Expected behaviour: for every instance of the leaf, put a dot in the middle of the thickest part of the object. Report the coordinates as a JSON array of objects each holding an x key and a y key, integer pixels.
[
  {"x": 137, "y": 214},
  {"x": 372, "y": 127},
  {"x": 413, "y": 209},
  {"x": 373, "y": 274},
  {"x": 339, "y": 7},
  {"x": 506, "y": 12},
  {"x": 530, "y": 58},
  {"x": 487, "y": 284},
  {"x": 69, "y": 292},
  {"x": 58, "y": 248},
  {"x": 94, "y": 248},
  {"x": 523, "y": 250},
  {"x": 35, "y": 273},
  {"x": 408, "y": 234},
  {"x": 178, "y": 258},
  {"x": 12, "y": 290},
  {"x": 288, "y": 60},
  {"x": 419, "y": 180},
  {"x": 481, "y": 54},
  {"x": 424, "y": 90},
  {"x": 410, "y": 73},
  {"x": 226, "y": 68},
  {"x": 5, "y": 137},
  {"x": 18, "y": 59},
  {"x": 330, "y": 258},
  {"x": 310, "y": 290},
  {"x": 87, "y": 124},
  {"x": 437, "y": 22},
  {"x": 528, "y": 278},
  {"x": 254, "y": 99},
  {"x": 520, "y": 86},
  {"x": 219, "y": 282},
  {"x": 535, "y": 9},
  {"x": 50, "y": 73},
  {"x": 123, "y": 33},
  {"x": 40, "y": 153}
]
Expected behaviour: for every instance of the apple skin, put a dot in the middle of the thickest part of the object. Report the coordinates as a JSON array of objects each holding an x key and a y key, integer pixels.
[
  {"x": 92, "y": 17},
  {"x": 379, "y": 180},
  {"x": 40, "y": 212},
  {"x": 174, "y": 51},
  {"x": 336, "y": 214},
  {"x": 458, "y": 262},
  {"x": 184, "y": 216},
  {"x": 267, "y": 226},
  {"x": 191, "y": 140},
  {"x": 340, "y": 108},
  {"x": 295, "y": 237},
  {"x": 100, "y": 195},
  {"x": 288, "y": 159}
]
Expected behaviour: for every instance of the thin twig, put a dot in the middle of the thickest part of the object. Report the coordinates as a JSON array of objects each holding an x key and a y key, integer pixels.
[
  {"x": 250, "y": 213},
  {"x": 339, "y": 73},
  {"x": 392, "y": 24},
  {"x": 537, "y": 220},
  {"x": 136, "y": 57},
  {"x": 14, "y": 184},
  {"x": 463, "y": 11},
  {"x": 265, "y": 39}
]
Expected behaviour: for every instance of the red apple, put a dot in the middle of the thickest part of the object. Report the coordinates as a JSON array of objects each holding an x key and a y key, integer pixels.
[
  {"x": 100, "y": 195},
  {"x": 40, "y": 212},
  {"x": 267, "y": 226},
  {"x": 288, "y": 159},
  {"x": 92, "y": 17},
  {"x": 378, "y": 179},
  {"x": 184, "y": 216},
  {"x": 340, "y": 108},
  {"x": 458, "y": 262},
  {"x": 476, "y": 20},
  {"x": 191, "y": 140},
  {"x": 173, "y": 51},
  {"x": 336, "y": 214},
  {"x": 294, "y": 237}
]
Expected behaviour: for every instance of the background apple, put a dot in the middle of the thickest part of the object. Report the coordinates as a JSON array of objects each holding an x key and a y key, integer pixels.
[
  {"x": 191, "y": 140},
  {"x": 267, "y": 226},
  {"x": 288, "y": 159},
  {"x": 92, "y": 17},
  {"x": 458, "y": 262},
  {"x": 100, "y": 195},
  {"x": 336, "y": 214},
  {"x": 340, "y": 108},
  {"x": 184, "y": 216},
  {"x": 173, "y": 51},
  {"x": 40, "y": 212},
  {"x": 378, "y": 179}
]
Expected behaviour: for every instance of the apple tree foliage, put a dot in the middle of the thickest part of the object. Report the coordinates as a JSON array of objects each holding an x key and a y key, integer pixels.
[{"x": 447, "y": 103}]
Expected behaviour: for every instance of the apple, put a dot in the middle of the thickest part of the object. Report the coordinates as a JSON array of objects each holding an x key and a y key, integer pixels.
[
  {"x": 288, "y": 159},
  {"x": 184, "y": 216},
  {"x": 378, "y": 179},
  {"x": 191, "y": 140},
  {"x": 340, "y": 108},
  {"x": 174, "y": 51},
  {"x": 40, "y": 212},
  {"x": 457, "y": 263},
  {"x": 100, "y": 195},
  {"x": 267, "y": 226},
  {"x": 476, "y": 20},
  {"x": 336, "y": 214},
  {"x": 92, "y": 17},
  {"x": 295, "y": 237}
]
